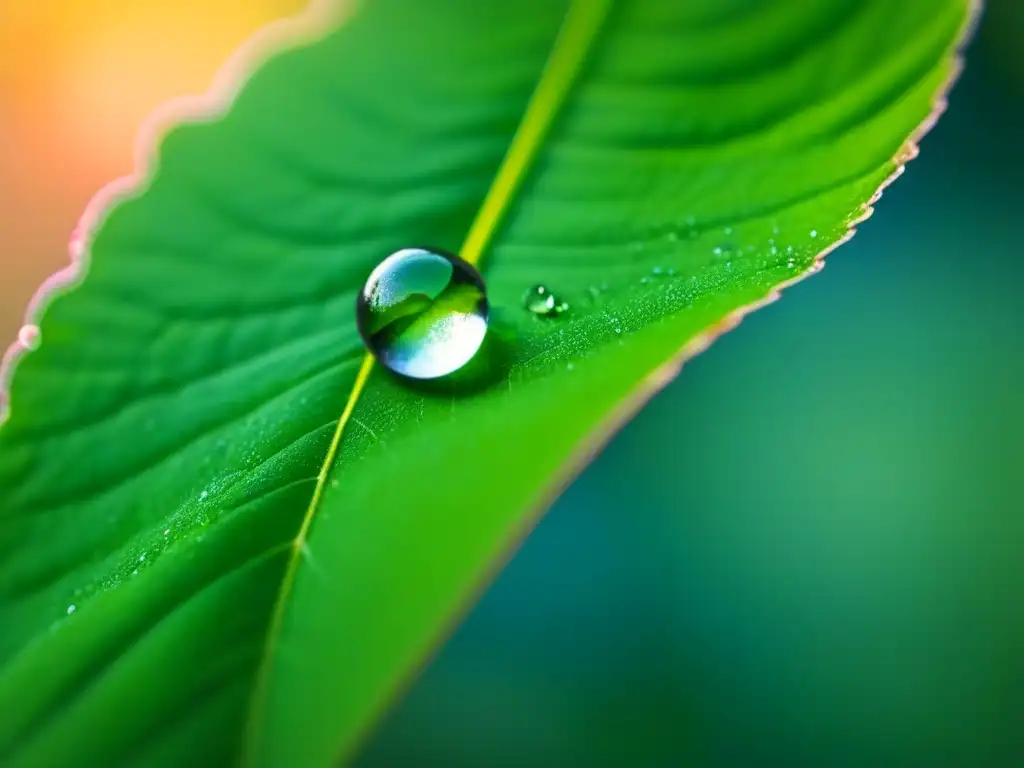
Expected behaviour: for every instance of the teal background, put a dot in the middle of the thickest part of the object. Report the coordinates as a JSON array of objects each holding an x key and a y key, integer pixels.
[{"x": 809, "y": 549}]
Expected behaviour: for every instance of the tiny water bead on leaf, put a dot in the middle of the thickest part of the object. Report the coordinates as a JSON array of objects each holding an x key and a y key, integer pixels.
[
  {"x": 541, "y": 301},
  {"x": 29, "y": 336},
  {"x": 423, "y": 313}
]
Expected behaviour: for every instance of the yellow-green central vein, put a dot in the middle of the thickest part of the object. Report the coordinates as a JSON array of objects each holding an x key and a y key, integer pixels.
[{"x": 582, "y": 22}]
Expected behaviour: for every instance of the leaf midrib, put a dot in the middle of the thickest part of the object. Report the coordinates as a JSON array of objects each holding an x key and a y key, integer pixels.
[{"x": 573, "y": 43}]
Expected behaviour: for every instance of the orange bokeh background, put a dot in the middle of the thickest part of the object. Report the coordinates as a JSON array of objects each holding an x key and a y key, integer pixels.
[{"x": 77, "y": 79}]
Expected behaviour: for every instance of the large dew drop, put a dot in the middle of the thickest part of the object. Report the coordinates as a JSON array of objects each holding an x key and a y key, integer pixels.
[{"x": 423, "y": 313}]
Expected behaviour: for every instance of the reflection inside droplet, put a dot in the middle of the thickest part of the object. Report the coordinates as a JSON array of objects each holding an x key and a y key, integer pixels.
[{"x": 423, "y": 313}]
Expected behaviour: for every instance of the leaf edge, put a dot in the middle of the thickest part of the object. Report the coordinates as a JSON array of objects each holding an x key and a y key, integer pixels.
[{"x": 302, "y": 28}]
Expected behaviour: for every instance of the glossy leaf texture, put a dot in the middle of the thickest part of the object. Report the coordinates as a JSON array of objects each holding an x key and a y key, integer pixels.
[{"x": 164, "y": 441}]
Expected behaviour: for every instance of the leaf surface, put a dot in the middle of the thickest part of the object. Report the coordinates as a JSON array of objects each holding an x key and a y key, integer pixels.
[{"x": 173, "y": 584}]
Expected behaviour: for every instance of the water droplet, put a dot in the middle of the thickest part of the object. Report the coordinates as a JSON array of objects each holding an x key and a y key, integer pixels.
[
  {"x": 645, "y": 279},
  {"x": 541, "y": 301},
  {"x": 29, "y": 336},
  {"x": 166, "y": 531},
  {"x": 672, "y": 237},
  {"x": 717, "y": 250},
  {"x": 657, "y": 271},
  {"x": 142, "y": 557},
  {"x": 423, "y": 313},
  {"x": 814, "y": 233},
  {"x": 569, "y": 367},
  {"x": 203, "y": 495},
  {"x": 728, "y": 231},
  {"x": 72, "y": 608}
]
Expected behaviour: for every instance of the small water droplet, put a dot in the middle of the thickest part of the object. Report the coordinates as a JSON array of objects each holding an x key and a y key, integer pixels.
[
  {"x": 791, "y": 263},
  {"x": 671, "y": 272},
  {"x": 618, "y": 330},
  {"x": 569, "y": 367},
  {"x": 142, "y": 557},
  {"x": 814, "y": 233},
  {"x": 774, "y": 250},
  {"x": 29, "y": 336},
  {"x": 72, "y": 608},
  {"x": 203, "y": 495},
  {"x": 789, "y": 249},
  {"x": 166, "y": 531},
  {"x": 727, "y": 231},
  {"x": 672, "y": 236},
  {"x": 775, "y": 229},
  {"x": 717, "y": 250},
  {"x": 644, "y": 280},
  {"x": 135, "y": 572},
  {"x": 423, "y": 313},
  {"x": 542, "y": 302}
]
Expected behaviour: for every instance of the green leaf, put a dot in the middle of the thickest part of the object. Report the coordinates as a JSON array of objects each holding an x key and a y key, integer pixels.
[{"x": 164, "y": 595}]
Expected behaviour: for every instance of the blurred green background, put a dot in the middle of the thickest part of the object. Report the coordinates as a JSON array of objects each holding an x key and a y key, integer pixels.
[{"x": 808, "y": 550}]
